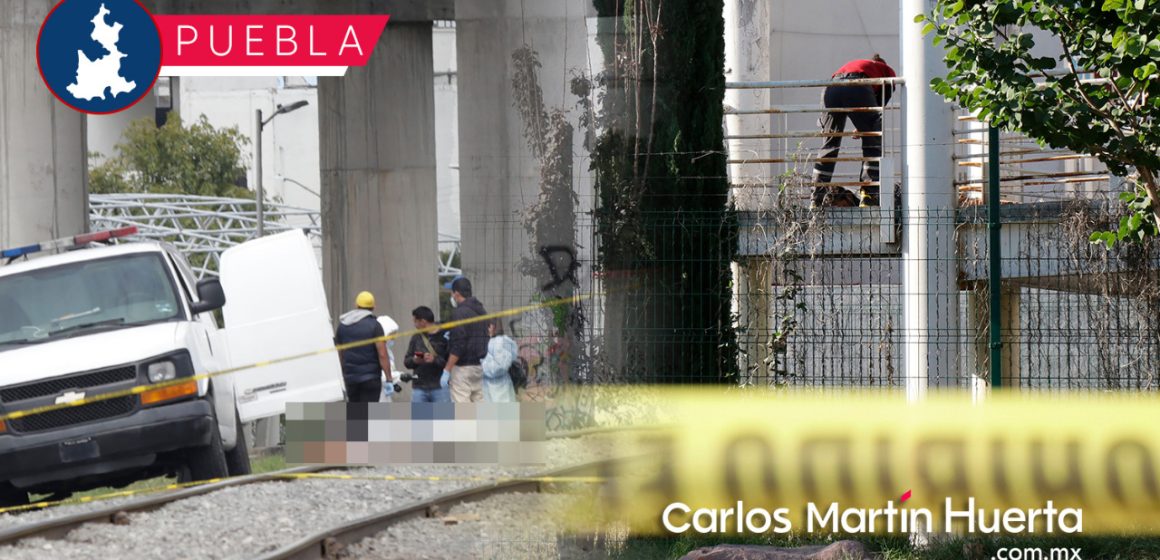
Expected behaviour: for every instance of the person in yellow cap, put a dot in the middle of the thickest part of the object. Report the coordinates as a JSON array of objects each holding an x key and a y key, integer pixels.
[{"x": 362, "y": 365}]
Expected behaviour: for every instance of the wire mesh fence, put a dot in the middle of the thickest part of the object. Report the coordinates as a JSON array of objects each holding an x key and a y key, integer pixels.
[
  {"x": 818, "y": 299},
  {"x": 1074, "y": 315}
]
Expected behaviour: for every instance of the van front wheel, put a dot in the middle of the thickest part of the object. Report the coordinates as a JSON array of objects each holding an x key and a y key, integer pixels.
[{"x": 206, "y": 462}]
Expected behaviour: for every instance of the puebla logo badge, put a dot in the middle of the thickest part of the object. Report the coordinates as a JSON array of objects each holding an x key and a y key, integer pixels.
[{"x": 99, "y": 56}]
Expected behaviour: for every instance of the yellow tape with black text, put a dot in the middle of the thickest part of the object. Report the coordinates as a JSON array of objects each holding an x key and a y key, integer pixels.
[{"x": 758, "y": 462}]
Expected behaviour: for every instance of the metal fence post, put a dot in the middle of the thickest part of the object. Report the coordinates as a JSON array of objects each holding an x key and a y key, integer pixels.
[{"x": 995, "y": 273}]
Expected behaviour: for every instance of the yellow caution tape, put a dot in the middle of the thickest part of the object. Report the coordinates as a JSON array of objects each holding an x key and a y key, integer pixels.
[
  {"x": 107, "y": 496},
  {"x": 142, "y": 388},
  {"x": 749, "y": 461}
]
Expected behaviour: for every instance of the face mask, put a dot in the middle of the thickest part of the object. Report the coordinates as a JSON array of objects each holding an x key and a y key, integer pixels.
[{"x": 454, "y": 303}]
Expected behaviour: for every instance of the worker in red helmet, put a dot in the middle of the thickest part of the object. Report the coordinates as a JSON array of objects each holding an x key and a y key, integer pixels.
[{"x": 846, "y": 97}]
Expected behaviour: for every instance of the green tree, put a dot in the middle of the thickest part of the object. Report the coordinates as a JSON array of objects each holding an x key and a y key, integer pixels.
[
  {"x": 992, "y": 70},
  {"x": 197, "y": 159},
  {"x": 664, "y": 221}
]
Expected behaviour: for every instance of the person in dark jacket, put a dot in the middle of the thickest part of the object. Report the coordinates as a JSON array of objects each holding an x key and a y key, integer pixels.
[
  {"x": 467, "y": 344},
  {"x": 362, "y": 365},
  {"x": 853, "y": 99},
  {"x": 426, "y": 356}
]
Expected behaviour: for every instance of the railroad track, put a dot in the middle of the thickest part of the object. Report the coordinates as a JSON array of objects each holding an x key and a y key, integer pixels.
[
  {"x": 58, "y": 527},
  {"x": 320, "y": 544},
  {"x": 328, "y": 543}
]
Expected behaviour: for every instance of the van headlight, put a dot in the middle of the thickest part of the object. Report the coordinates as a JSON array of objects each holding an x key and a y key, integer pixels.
[{"x": 162, "y": 371}]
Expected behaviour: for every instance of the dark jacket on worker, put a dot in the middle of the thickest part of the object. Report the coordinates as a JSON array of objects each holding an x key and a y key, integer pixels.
[
  {"x": 361, "y": 363},
  {"x": 469, "y": 341},
  {"x": 426, "y": 375}
]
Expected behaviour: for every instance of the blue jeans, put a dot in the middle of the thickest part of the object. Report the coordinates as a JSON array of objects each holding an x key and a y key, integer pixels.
[{"x": 430, "y": 395}]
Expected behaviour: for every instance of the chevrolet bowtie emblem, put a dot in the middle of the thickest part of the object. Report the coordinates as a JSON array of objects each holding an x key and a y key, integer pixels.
[{"x": 70, "y": 397}]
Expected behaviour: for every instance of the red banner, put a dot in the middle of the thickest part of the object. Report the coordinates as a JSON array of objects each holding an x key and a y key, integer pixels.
[{"x": 268, "y": 40}]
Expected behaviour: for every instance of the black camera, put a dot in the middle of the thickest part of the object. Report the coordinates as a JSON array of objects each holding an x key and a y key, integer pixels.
[
  {"x": 398, "y": 388},
  {"x": 406, "y": 378}
]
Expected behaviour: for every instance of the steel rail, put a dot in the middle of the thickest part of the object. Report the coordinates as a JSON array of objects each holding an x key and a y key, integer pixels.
[
  {"x": 59, "y": 527},
  {"x": 328, "y": 543}
]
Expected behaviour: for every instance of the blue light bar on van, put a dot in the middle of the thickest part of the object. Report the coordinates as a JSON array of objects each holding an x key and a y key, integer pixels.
[
  {"x": 68, "y": 242},
  {"x": 12, "y": 253}
]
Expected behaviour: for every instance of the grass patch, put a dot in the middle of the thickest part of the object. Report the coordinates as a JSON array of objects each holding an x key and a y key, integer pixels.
[
  {"x": 268, "y": 463},
  {"x": 265, "y": 464}
]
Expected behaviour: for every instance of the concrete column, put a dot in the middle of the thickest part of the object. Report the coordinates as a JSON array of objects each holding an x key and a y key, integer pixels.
[
  {"x": 379, "y": 218},
  {"x": 747, "y": 56},
  {"x": 499, "y": 176},
  {"x": 929, "y": 270},
  {"x": 43, "y": 174}
]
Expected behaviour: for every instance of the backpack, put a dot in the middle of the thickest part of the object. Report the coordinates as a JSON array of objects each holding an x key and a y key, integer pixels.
[{"x": 518, "y": 371}]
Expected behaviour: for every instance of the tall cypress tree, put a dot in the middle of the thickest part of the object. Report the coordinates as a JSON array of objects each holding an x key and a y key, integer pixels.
[{"x": 660, "y": 168}]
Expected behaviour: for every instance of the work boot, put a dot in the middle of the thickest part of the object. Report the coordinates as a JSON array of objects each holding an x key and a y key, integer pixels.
[
  {"x": 833, "y": 197},
  {"x": 868, "y": 198}
]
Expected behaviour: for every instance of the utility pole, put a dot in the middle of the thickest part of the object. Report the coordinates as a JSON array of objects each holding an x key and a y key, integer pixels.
[{"x": 260, "y": 189}]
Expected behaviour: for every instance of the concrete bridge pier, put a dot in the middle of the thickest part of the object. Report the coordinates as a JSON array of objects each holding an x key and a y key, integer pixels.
[
  {"x": 499, "y": 175},
  {"x": 43, "y": 172},
  {"x": 379, "y": 204}
]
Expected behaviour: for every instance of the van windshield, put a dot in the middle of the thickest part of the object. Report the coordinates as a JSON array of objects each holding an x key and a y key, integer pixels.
[{"x": 85, "y": 297}]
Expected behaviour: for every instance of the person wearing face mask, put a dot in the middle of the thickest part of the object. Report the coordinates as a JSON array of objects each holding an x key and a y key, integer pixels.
[{"x": 467, "y": 344}]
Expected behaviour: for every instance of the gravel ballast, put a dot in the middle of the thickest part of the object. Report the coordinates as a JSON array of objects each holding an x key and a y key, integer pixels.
[
  {"x": 505, "y": 526},
  {"x": 248, "y": 520}
]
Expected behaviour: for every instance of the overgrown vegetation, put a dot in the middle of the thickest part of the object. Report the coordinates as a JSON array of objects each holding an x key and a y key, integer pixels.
[
  {"x": 1116, "y": 118},
  {"x": 667, "y": 236}
]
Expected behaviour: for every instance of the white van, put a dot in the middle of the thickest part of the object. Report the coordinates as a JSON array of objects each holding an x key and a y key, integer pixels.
[{"x": 96, "y": 320}]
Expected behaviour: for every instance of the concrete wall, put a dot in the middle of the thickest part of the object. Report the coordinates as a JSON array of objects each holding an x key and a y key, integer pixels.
[
  {"x": 43, "y": 177},
  {"x": 290, "y": 141},
  {"x": 378, "y": 176},
  {"x": 104, "y": 131},
  {"x": 499, "y": 176}
]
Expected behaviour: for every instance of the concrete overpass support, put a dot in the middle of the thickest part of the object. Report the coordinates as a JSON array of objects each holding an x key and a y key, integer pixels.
[
  {"x": 499, "y": 176},
  {"x": 43, "y": 175},
  {"x": 376, "y": 133}
]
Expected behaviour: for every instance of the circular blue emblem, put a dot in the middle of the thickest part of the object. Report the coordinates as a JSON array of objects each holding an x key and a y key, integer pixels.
[{"x": 99, "y": 56}]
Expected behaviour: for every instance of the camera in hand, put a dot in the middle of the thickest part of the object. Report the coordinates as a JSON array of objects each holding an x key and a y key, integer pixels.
[{"x": 406, "y": 378}]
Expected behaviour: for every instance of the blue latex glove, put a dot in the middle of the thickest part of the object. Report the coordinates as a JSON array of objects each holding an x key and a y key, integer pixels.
[{"x": 445, "y": 379}]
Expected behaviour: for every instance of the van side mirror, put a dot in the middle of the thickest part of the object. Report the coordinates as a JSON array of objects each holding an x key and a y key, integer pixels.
[{"x": 212, "y": 297}]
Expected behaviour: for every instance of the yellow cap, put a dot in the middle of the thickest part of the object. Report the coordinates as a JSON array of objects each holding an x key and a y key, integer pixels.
[{"x": 365, "y": 300}]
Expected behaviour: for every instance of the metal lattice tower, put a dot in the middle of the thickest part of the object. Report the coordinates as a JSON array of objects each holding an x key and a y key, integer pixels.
[{"x": 202, "y": 227}]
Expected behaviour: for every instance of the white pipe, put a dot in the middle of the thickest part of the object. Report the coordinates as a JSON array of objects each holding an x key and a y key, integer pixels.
[
  {"x": 930, "y": 292},
  {"x": 811, "y": 83}
]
